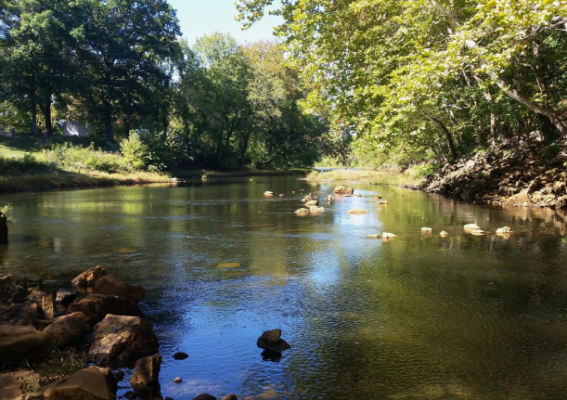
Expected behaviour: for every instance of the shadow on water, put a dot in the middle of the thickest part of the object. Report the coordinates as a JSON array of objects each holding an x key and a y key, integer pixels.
[{"x": 417, "y": 317}]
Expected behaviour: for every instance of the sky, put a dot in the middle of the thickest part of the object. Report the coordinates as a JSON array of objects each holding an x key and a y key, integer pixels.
[{"x": 202, "y": 17}]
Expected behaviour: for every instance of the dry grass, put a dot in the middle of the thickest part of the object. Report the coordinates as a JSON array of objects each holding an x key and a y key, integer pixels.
[{"x": 411, "y": 176}]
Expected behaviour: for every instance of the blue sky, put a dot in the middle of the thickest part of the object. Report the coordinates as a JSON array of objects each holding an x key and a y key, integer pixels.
[{"x": 202, "y": 17}]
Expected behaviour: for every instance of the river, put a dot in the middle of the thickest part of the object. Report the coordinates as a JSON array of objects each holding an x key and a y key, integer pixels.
[{"x": 416, "y": 317}]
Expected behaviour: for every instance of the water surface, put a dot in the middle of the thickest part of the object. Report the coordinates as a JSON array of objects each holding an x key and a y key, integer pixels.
[{"x": 417, "y": 317}]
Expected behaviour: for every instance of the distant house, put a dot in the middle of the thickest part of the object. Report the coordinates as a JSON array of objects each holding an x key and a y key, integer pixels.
[
  {"x": 72, "y": 128},
  {"x": 10, "y": 133}
]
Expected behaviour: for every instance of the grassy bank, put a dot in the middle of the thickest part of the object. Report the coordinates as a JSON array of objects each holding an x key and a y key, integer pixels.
[{"x": 28, "y": 164}]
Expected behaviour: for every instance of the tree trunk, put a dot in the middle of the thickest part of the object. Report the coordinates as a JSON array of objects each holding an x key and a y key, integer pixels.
[
  {"x": 48, "y": 130},
  {"x": 446, "y": 131},
  {"x": 108, "y": 125},
  {"x": 520, "y": 97},
  {"x": 243, "y": 149},
  {"x": 127, "y": 127},
  {"x": 34, "y": 108}
]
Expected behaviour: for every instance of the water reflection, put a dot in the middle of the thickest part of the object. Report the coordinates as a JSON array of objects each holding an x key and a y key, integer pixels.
[{"x": 416, "y": 317}]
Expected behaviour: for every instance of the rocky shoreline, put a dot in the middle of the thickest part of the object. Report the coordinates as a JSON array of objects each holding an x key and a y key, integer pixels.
[
  {"x": 96, "y": 330},
  {"x": 522, "y": 176}
]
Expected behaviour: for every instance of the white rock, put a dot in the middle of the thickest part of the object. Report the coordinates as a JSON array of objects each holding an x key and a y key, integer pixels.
[
  {"x": 387, "y": 235},
  {"x": 426, "y": 230},
  {"x": 472, "y": 227}
]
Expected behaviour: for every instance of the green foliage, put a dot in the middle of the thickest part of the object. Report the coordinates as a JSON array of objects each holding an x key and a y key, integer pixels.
[
  {"x": 78, "y": 158},
  {"x": 551, "y": 152},
  {"x": 26, "y": 164},
  {"x": 135, "y": 152},
  {"x": 428, "y": 79},
  {"x": 421, "y": 171}
]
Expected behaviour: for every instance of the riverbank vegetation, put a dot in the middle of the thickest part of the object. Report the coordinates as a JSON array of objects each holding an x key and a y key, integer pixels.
[
  {"x": 431, "y": 81},
  {"x": 154, "y": 103}
]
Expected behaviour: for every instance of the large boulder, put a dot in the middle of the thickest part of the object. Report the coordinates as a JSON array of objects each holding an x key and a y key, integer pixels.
[
  {"x": 18, "y": 343},
  {"x": 146, "y": 373},
  {"x": 97, "y": 306},
  {"x": 89, "y": 277},
  {"x": 67, "y": 329},
  {"x": 92, "y": 383},
  {"x": 20, "y": 385},
  {"x": 121, "y": 340},
  {"x": 114, "y": 286}
]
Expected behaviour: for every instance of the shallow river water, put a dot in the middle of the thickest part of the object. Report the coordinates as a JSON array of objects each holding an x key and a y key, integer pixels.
[{"x": 417, "y": 317}]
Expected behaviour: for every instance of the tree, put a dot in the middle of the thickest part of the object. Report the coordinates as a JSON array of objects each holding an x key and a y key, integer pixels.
[{"x": 394, "y": 66}]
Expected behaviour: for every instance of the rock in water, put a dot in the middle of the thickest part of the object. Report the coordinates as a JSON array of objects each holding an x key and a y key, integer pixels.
[
  {"x": 65, "y": 297},
  {"x": 443, "y": 234},
  {"x": 377, "y": 236},
  {"x": 17, "y": 343},
  {"x": 146, "y": 373},
  {"x": 180, "y": 356},
  {"x": 231, "y": 396},
  {"x": 205, "y": 396},
  {"x": 91, "y": 383},
  {"x": 121, "y": 340},
  {"x": 89, "y": 277},
  {"x": 504, "y": 230},
  {"x": 472, "y": 227},
  {"x": 426, "y": 230},
  {"x": 357, "y": 211},
  {"x": 177, "y": 380},
  {"x": 3, "y": 229},
  {"x": 478, "y": 232},
  {"x": 387, "y": 235},
  {"x": 114, "y": 286},
  {"x": 271, "y": 340},
  {"x": 96, "y": 306},
  {"x": 67, "y": 329}
]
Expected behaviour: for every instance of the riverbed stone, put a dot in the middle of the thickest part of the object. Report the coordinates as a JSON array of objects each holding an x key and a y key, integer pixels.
[
  {"x": 47, "y": 306},
  {"x": 65, "y": 296},
  {"x": 388, "y": 235},
  {"x": 67, "y": 329},
  {"x": 114, "y": 286},
  {"x": 96, "y": 306},
  {"x": 205, "y": 396},
  {"x": 180, "y": 356},
  {"x": 89, "y": 277},
  {"x": 20, "y": 385},
  {"x": 443, "y": 234},
  {"x": 18, "y": 343},
  {"x": 146, "y": 373},
  {"x": 121, "y": 340},
  {"x": 93, "y": 383},
  {"x": 271, "y": 340},
  {"x": 472, "y": 227}
]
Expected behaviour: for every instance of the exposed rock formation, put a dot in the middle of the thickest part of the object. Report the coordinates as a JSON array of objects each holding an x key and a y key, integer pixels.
[
  {"x": 146, "y": 373},
  {"x": 67, "y": 329},
  {"x": 18, "y": 342},
  {"x": 271, "y": 340}
]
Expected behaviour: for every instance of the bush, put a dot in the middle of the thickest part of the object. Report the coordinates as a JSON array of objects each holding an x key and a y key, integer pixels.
[
  {"x": 75, "y": 157},
  {"x": 135, "y": 152},
  {"x": 152, "y": 151}
]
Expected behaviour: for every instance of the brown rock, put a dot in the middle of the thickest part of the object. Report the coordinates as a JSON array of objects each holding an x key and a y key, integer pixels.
[
  {"x": 121, "y": 340},
  {"x": 92, "y": 383},
  {"x": 18, "y": 343},
  {"x": 65, "y": 297},
  {"x": 114, "y": 286},
  {"x": 89, "y": 277},
  {"x": 7, "y": 289},
  {"x": 20, "y": 385},
  {"x": 231, "y": 396},
  {"x": 205, "y": 396},
  {"x": 97, "y": 306},
  {"x": 271, "y": 340},
  {"x": 67, "y": 329},
  {"x": 47, "y": 306},
  {"x": 146, "y": 372}
]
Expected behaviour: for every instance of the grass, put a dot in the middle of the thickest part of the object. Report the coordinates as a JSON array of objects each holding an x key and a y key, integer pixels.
[{"x": 26, "y": 164}]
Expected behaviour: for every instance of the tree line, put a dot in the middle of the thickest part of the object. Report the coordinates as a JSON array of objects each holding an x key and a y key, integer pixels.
[
  {"x": 430, "y": 79},
  {"x": 120, "y": 66}
]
